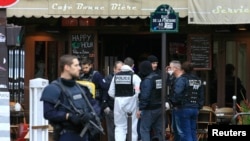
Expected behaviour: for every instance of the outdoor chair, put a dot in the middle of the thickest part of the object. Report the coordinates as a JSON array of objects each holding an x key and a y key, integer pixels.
[
  {"x": 206, "y": 117},
  {"x": 224, "y": 115}
]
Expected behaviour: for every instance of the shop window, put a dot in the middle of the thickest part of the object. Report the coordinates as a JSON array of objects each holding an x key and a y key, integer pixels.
[
  {"x": 46, "y": 56},
  {"x": 16, "y": 74},
  {"x": 178, "y": 51}
]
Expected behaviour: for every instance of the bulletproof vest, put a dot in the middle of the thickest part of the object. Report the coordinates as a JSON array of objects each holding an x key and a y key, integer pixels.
[
  {"x": 155, "y": 94},
  {"x": 75, "y": 95},
  {"x": 124, "y": 84},
  {"x": 78, "y": 99},
  {"x": 192, "y": 90},
  {"x": 89, "y": 77}
]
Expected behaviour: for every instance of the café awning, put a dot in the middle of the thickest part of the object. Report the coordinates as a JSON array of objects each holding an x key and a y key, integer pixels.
[
  {"x": 218, "y": 12},
  {"x": 92, "y": 8}
]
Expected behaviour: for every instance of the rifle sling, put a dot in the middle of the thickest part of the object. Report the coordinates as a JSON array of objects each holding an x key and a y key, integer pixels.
[
  {"x": 65, "y": 92},
  {"x": 86, "y": 99}
]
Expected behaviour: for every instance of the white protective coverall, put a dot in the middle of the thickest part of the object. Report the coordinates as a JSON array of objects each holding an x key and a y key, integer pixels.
[{"x": 123, "y": 105}]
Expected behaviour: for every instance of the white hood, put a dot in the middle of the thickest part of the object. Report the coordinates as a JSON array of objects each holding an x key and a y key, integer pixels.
[{"x": 126, "y": 68}]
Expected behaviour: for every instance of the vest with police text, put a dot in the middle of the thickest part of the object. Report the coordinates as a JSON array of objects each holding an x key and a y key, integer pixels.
[
  {"x": 155, "y": 94},
  {"x": 192, "y": 94},
  {"x": 124, "y": 84}
]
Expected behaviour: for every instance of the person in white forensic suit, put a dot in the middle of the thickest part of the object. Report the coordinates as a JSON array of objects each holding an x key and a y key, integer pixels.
[{"x": 124, "y": 88}]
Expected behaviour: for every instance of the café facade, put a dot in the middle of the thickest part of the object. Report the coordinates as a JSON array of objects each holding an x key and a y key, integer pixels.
[{"x": 111, "y": 30}]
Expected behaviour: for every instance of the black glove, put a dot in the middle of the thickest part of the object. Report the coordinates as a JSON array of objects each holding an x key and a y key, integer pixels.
[
  {"x": 88, "y": 116},
  {"x": 75, "y": 118}
]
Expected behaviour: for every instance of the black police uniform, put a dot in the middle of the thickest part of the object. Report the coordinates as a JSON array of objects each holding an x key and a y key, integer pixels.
[
  {"x": 194, "y": 96},
  {"x": 53, "y": 95}
]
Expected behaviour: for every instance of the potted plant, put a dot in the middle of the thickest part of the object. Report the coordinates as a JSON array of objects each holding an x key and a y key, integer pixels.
[{"x": 244, "y": 107}]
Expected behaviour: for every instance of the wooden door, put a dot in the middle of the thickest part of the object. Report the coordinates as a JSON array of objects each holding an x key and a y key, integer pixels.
[{"x": 41, "y": 59}]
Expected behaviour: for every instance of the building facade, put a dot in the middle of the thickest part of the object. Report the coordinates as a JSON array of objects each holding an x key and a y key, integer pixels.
[{"x": 112, "y": 30}]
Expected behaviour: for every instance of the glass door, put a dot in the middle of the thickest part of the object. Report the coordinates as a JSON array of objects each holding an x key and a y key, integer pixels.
[
  {"x": 228, "y": 54},
  {"x": 46, "y": 56},
  {"x": 235, "y": 70}
]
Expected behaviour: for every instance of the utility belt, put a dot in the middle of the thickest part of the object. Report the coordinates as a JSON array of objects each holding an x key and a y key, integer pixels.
[{"x": 183, "y": 103}]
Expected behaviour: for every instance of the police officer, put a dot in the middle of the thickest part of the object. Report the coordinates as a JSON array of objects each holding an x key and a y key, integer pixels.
[
  {"x": 101, "y": 92},
  {"x": 187, "y": 98},
  {"x": 150, "y": 103},
  {"x": 154, "y": 62},
  {"x": 89, "y": 74},
  {"x": 124, "y": 88},
  {"x": 108, "y": 105},
  {"x": 63, "y": 98}
]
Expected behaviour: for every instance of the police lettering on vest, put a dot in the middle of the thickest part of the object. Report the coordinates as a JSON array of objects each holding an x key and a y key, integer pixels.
[
  {"x": 155, "y": 94},
  {"x": 158, "y": 84},
  {"x": 124, "y": 84},
  {"x": 193, "y": 91},
  {"x": 123, "y": 79}
]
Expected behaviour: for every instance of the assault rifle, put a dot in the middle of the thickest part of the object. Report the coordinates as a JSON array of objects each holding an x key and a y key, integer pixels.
[
  {"x": 87, "y": 125},
  {"x": 97, "y": 124}
]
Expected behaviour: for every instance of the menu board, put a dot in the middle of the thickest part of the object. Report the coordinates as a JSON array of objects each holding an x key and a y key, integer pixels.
[
  {"x": 82, "y": 45},
  {"x": 199, "y": 51}
]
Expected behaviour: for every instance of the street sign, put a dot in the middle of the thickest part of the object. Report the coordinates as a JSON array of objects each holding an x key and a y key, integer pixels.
[
  {"x": 7, "y": 3},
  {"x": 164, "y": 19}
]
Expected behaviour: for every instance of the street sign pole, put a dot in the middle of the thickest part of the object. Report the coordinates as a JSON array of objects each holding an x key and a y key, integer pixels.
[
  {"x": 164, "y": 20},
  {"x": 163, "y": 74}
]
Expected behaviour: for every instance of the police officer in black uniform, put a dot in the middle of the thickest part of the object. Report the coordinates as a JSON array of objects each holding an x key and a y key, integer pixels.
[
  {"x": 66, "y": 104},
  {"x": 101, "y": 91},
  {"x": 89, "y": 74},
  {"x": 187, "y": 98},
  {"x": 150, "y": 103}
]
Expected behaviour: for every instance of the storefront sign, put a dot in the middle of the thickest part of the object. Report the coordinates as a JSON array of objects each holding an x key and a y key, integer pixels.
[
  {"x": 164, "y": 19},
  {"x": 82, "y": 45},
  {"x": 92, "y": 8},
  {"x": 76, "y": 7},
  {"x": 108, "y": 7},
  {"x": 218, "y": 11}
]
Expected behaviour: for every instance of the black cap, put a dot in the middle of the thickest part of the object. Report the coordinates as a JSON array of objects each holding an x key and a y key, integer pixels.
[{"x": 152, "y": 58}]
